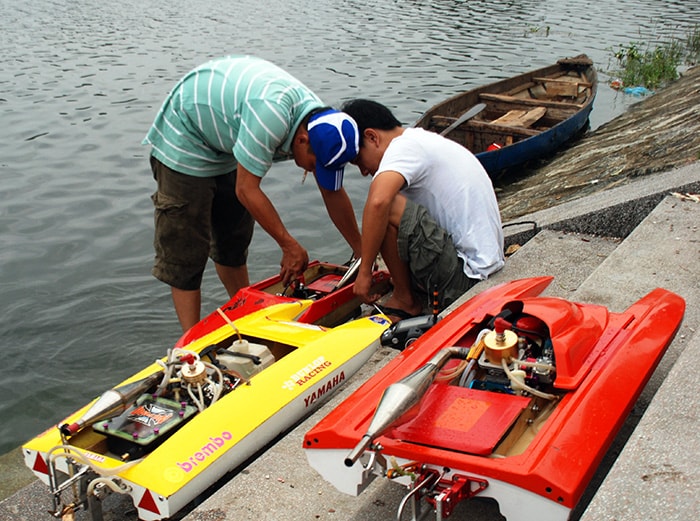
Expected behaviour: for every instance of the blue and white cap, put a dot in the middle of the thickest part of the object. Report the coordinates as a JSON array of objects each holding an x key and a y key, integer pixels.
[{"x": 335, "y": 141}]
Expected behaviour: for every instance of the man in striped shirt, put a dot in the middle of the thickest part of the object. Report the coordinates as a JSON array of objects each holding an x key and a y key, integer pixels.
[{"x": 214, "y": 138}]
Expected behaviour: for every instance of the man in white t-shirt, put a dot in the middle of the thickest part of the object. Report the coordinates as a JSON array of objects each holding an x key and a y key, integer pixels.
[{"x": 431, "y": 212}]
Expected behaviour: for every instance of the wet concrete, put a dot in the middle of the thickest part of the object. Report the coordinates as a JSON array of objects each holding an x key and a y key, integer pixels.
[{"x": 658, "y": 134}]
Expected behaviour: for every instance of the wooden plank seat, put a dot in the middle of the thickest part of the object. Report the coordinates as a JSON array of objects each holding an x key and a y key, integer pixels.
[
  {"x": 486, "y": 126},
  {"x": 486, "y": 96},
  {"x": 564, "y": 79},
  {"x": 566, "y": 86},
  {"x": 521, "y": 118},
  {"x": 439, "y": 122}
]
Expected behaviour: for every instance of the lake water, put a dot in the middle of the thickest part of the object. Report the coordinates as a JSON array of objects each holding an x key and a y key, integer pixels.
[{"x": 80, "y": 83}]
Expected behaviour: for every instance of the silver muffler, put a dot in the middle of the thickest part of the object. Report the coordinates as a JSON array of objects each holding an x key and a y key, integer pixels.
[{"x": 401, "y": 396}]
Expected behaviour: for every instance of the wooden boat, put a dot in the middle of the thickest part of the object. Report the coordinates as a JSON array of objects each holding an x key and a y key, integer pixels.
[
  {"x": 512, "y": 396},
  {"x": 231, "y": 385},
  {"x": 523, "y": 118}
]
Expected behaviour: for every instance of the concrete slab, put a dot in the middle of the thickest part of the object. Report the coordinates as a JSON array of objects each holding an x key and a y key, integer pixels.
[
  {"x": 657, "y": 475},
  {"x": 569, "y": 257},
  {"x": 614, "y": 212},
  {"x": 15, "y": 474},
  {"x": 656, "y": 469},
  {"x": 33, "y": 503},
  {"x": 663, "y": 251}
]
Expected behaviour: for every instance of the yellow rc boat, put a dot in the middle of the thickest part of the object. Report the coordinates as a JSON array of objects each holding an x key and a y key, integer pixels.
[{"x": 230, "y": 386}]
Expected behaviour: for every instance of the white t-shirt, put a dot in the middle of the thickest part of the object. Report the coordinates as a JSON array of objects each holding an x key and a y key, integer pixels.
[{"x": 451, "y": 184}]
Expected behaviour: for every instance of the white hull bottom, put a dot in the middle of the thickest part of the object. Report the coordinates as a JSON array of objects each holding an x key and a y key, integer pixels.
[{"x": 515, "y": 504}]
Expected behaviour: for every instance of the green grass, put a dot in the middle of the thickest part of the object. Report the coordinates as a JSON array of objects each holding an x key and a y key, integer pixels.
[
  {"x": 652, "y": 68},
  {"x": 692, "y": 45}
]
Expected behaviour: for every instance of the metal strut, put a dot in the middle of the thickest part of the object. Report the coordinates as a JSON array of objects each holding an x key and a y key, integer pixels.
[
  {"x": 76, "y": 482},
  {"x": 427, "y": 478},
  {"x": 441, "y": 493}
]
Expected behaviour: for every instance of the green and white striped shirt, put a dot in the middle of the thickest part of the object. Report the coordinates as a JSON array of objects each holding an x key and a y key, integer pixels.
[{"x": 238, "y": 109}]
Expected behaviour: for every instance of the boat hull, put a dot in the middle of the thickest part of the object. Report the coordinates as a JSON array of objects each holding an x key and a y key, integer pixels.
[
  {"x": 505, "y": 159},
  {"x": 311, "y": 362},
  {"x": 603, "y": 360}
]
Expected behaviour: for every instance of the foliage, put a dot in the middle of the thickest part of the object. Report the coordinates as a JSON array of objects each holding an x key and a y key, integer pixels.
[
  {"x": 649, "y": 68},
  {"x": 692, "y": 45},
  {"x": 652, "y": 68}
]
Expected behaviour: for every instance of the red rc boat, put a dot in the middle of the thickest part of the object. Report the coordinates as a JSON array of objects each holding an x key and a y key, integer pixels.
[{"x": 512, "y": 396}]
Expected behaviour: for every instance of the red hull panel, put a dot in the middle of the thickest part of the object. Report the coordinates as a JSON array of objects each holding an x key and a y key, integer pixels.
[
  {"x": 603, "y": 361},
  {"x": 464, "y": 420}
]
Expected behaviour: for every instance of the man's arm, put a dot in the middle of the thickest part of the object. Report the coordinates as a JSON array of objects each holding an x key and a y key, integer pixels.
[
  {"x": 375, "y": 220},
  {"x": 341, "y": 212},
  {"x": 294, "y": 257}
]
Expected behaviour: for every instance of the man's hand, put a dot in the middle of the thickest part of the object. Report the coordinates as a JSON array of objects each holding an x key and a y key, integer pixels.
[
  {"x": 295, "y": 260},
  {"x": 363, "y": 286}
]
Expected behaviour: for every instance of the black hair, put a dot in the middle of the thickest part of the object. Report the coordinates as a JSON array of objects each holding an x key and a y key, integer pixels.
[
  {"x": 305, "y": 121},
  {"x": 370, "y": 114}
]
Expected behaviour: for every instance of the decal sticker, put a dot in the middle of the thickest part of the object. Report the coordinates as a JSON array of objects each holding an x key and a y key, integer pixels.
[
  {"x": 324, "y": 389},
  {"x": 94, "y": 457},
  {"x": 206, "y": 452},
  {"x": 150, "y": 414},
  {"x": 306, "y": 373},
  {"x": 379, "y": 320}
]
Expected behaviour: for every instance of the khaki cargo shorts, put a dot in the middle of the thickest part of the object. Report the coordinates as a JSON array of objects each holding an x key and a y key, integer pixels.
[{"x": 197, "y": 218}]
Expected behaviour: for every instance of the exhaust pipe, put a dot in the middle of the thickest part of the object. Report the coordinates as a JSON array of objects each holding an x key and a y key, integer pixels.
[
  {"x": 111, "y": 403},
  {"x": 352, "y": 271},
  {"x": 401, "y": 396}
]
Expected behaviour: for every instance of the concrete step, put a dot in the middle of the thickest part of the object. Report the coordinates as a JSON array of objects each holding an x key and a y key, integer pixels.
[
  {"x": 656, "y": 456},
  {"x": 567, "y": 256},
  {"x": 663, "y": 251},
  {"x": 582, "y": 266}
]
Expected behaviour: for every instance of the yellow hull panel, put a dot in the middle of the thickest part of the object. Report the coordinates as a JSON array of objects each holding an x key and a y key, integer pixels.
[{"x": 315, "y": 362}]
